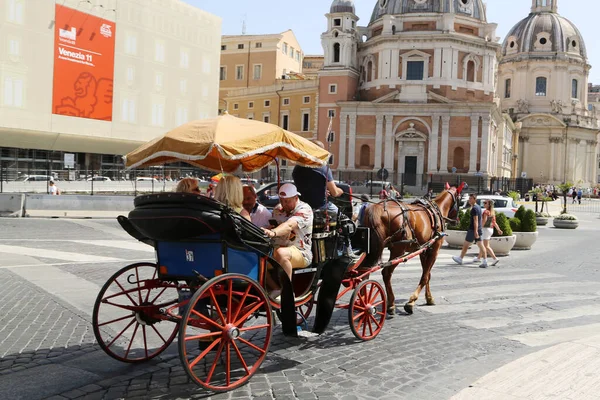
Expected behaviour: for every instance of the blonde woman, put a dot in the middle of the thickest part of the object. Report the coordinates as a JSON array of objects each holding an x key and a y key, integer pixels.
[
  {"x": 230, "y": 191},
  {"x": 489, "y": 223},
  {"x": 188, "y": 185}
]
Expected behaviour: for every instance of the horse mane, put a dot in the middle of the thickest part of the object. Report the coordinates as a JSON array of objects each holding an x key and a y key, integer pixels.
[{"x": 372, "y": 219}]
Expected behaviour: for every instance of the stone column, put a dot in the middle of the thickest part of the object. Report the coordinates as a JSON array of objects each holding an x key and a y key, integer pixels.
[
  {"x": 395, "y": 64},
  {"x": 378, "y": 141},
  {"x": 389, "y": 142},
  {"x": 525, "y": 141},
  {"x": 474, "y": 143},
  {"x": 400, "y": 163},
  {"x": 420, "y": 158},
  {"x": 437, "y": 66},
  {"x": 433, "y": 146},
  {"x": 485, "y": 143},
  {"x": 445, "y": 139},
  {"x": 342, "y": 149},
  {"x": 552, "y": 157},
  {"x": 352, "y": 142}
]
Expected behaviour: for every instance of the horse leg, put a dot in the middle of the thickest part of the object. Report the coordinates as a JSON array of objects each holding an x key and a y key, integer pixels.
[
  {"x": 427, "y": 260},
  {"x": 387, "y": 280},
  {"x": 432, "y": 256},
  {"x": 408, "y": 307}
]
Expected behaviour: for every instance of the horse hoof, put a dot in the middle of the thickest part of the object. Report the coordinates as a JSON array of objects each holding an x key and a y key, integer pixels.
[
  {"x": 408, "y": 308},
  {"x": 431, "y": 302},
  {"x": 391, "y": 312}
]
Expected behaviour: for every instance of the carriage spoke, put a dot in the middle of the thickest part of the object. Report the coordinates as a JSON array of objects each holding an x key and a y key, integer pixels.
[
  {"x": 253, "y": 328},
  {"x": 137, "y": 282},
  {"x": 158, "y": 295},
  {"x": 370, "y": 326},
  {"x": 206, "y": 319},
  {"x": 153, "y": 277},
  {"x": 228, "y": 363},
  {"x": 369, "y": 297},
  {"x": 116, "y": 320},
  {"x": 237, "y": 312},
  {"x": 378, "y": 303},
  {"x": 203, "y": 336},
  {"x": 229, "y": 296},
  {"x": 214, "y": 364},
  {"x": 377, "y": 324},
  {"x": 125, "y": 292},
  {"x": 364, "y": 330},
  {"x": 214, "y": 300},
  {"x": 158, "y": 333},
  {"x": 120, "y": 333},
  {"x": 240, "y": 357},
  {"x": 131, "y": 341},
  {"x": 145, "y": 342},
  {"x": 357, "y": 316},
  {"x": 247, "y": 343},
  {"x": 204, "y": 353},
  {"x": 249, "y": 313}
]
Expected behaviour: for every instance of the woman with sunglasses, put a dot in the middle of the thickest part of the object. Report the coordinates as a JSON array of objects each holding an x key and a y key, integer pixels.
[{"x": 489, "y": 223}]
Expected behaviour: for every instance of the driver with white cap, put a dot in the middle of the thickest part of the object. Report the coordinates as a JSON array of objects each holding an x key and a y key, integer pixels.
[{"x": 293, "y": 234}]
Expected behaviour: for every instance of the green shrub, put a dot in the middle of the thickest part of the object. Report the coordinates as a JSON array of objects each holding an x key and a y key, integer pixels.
[
  {"x": 514, "y": 195},
  {"x": 515, "y": 224},
  {"x": 502, "y": 221},
  {"x": 465, "y": 220},
  {"x": 529, "y": 224},
  {"x": 520, "y": 214}
]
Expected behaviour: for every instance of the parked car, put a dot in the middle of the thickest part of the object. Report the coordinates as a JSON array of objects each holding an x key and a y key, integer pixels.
[
  {"x": 35, "y": 178},
  {"x": 502, "y": 204},
  {"x": 145, "y": 179},
  {"x": 267, "y": 196},
  {"x": 99, "y": 179},
  {"x": 248, "y": 181}
]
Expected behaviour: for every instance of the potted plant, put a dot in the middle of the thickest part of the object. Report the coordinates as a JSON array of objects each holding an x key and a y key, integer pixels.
[
  {"x": 541, "y": 218},
  {"x": 525, "y": 230},
  {"x": 456, "y": 234},
  {"x": 565, "y": 221},
  {"x": 502, "y": 245}
]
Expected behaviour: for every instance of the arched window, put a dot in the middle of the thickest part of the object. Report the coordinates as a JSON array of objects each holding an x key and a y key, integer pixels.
[
  {"x": 393, "y": 29},
  {"x": 459, "y": 158},
  {"x": 471, "y": 71},
  {"x": 365, "y": 155},
  {"x": 574, "y": 89},
  {"x": 336, "y": 52},
  {"x": 540, "y": 86},
  {"x": 369, "y": 71}
]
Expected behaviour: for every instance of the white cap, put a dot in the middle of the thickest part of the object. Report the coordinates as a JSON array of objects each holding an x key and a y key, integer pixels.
[{"x": 287, "y": 191}]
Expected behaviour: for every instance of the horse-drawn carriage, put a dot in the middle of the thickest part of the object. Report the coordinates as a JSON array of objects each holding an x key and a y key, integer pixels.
[{"x": 208, "y": 284}]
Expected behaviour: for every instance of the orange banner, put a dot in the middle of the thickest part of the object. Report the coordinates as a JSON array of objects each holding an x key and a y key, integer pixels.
[{"x": 84, "y": 59}]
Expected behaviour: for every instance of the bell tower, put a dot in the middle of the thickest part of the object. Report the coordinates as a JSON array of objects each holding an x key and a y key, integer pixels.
[
  {"x": 340, "y": 40},
  {"x": 538, "y": 6}
]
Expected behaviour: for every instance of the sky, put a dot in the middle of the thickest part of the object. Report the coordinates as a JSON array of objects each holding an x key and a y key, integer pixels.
[{"x": 306, "y": 19}]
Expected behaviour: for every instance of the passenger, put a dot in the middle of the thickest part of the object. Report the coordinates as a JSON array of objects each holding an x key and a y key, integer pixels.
[
  {"x": 210, "y": 192},
  {"x": 188, "y": 185},
  {"x": 316, "y": 184},
  {"x": 229, "y": 191},
  {"x": 293, "y": 235},
  {"x": 259, "y": 214}
]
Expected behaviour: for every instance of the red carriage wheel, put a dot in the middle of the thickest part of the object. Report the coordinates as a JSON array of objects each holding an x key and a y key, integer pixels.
[
  {"x": 126, "y": 318},
  {"x": 366, "y": 313},
  {"x": 225, "y": 332}
]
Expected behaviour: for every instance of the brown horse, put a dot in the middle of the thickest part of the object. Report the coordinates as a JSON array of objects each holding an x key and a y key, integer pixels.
[{"x": 403, "y": 228}]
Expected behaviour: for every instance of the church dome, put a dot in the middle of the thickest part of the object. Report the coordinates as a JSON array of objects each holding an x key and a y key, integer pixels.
[
  {"x": 341, "y": 6},
  {"x": 542, "y": 35},
  {"x": 468, "y": 8}
]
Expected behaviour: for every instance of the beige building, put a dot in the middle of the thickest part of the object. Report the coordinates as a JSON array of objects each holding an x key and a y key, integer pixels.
[
  {"x": 543, "y": 81},
  {"x": 414, "y": 91},
  {"x": 312, "y": 65},
  {"x": 166, "y": 66},
  {"x": 249, "y": 61}
]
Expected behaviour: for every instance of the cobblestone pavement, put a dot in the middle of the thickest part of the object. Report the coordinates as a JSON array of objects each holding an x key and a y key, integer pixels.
[{"x": 483, "y": 320}]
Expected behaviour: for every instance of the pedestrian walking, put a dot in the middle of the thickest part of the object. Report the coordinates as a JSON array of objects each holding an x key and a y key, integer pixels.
[
  {"x": 488, "y": 220},
  {"x": 52, "y": 189},
  {"x": 474, "y": 234}
]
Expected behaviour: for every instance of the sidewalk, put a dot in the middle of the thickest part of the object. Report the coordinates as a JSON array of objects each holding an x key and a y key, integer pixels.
[{"x": 566, "y": 371}]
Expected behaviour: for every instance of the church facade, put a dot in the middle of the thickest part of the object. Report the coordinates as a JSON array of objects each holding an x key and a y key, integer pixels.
[{"x": 416, "y": 92}]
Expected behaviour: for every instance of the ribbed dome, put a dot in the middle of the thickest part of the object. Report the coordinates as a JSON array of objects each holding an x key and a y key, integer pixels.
[
  {"x": 340, "y": 6},
  {"x": 468, "y": 8},
  {"x": 542, "y": 33}
]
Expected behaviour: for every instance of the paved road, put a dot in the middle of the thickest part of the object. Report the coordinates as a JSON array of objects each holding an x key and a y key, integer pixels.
[{"x": 52, "y": 269}]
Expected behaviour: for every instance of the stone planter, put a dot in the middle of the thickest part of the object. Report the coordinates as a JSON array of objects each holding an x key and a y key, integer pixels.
[
  {"x": 565, "y": 223},
  {"x": 525, "y": 240},
  {"x": 503, "y": 245},
  {"x": 455, "y": 239},
  {"x": 541, "y": 221}
]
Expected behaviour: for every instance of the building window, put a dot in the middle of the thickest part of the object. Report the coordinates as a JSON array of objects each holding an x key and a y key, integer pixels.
[
  {"x": 158, "y": 80},
  {"x": 507, "y": 87},
  {"x": 305, "y": 122},
  {"x": 184, "y": 59},
  {"x": 471, "y": 71},
  {"x": 183, "y": 86},
  {"x": 365, "y": 155},
  {"x": 459, "y": 158},
  {"x": 540, "y": 86},
  {"x": 286, "y": 101},
  {"x": 159, "y": 51},
  {"x": 14, "y": 47},
  {"x": 333, "y": 89},
  {"x": 574, "y": 89},
  {"x": 257, "y": 72},
  {"x": 369, "y": 71},
  {"x": 415, "y": 70},
  {"x": 13, "y": 92},
  {"x": 306, "y": 100},
  {"x": 336, "y": 52},
  {"x": 331, "y": 113},
  {"x": 240, "y": 47},
  {"x": 331, "y": 160},
  {"x": 131, "y": 44},
  {"x": 236, "y": 106},
  {"x": 182, "y": 115},
  {"x": 130, "y": 74},
  {"x": 158, "y": 114},
  {"x": 250, "y": 104},
  {"x": 284, "y": 48},
  {"x": 292, "y": 52},
  {"x": 267, "y": 103},
  {"x": 222, "y": 73},
  {"x": 285, "y": 122},
  {"x": 223, "y": 47},
  {"x": 266, "y": 118},
  {"x": 258, "y": 45},
  {"x": 128, "y": 110},
  {"x": 239, "y": 72},
  {"x": 337, "y": 22},
  {"x": 14, "y": 10}
]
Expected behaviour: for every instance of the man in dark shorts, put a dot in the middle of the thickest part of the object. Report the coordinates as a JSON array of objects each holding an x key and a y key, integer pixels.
[{"x": 474, "y": 233}]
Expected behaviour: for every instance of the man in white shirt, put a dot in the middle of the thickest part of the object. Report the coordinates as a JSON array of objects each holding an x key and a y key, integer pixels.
[
  {"x": 52, "y": 189},
  {"x": 259, "y": 214}
]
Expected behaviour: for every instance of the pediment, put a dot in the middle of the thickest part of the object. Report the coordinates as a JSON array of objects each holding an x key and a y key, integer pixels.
[
  {"x": 388, "y": 98},
  {"x": 411, "y": 135},
  {"x": 541, "y": 121}
]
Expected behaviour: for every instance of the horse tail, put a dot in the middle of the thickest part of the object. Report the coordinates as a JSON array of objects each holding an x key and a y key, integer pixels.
[{"x": 373, "y": 220}]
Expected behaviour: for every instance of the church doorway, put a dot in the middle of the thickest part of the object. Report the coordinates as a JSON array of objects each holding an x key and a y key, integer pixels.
[{"x": 410, "y": 170}]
